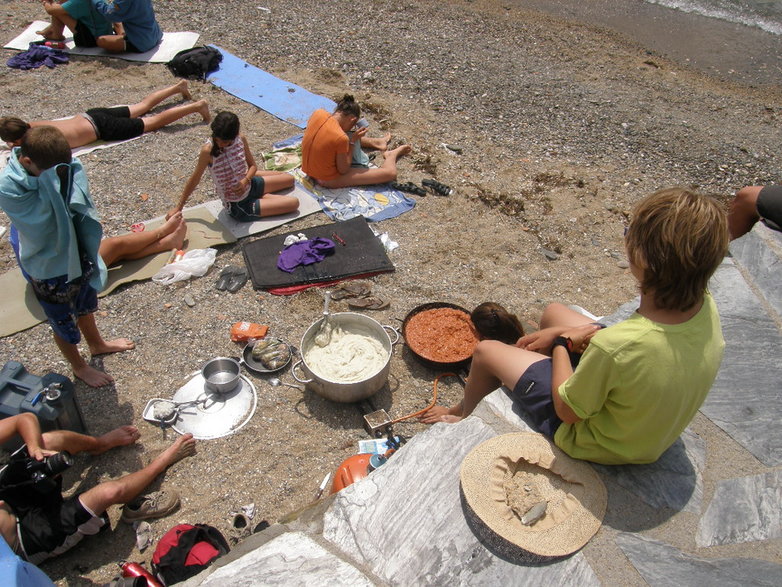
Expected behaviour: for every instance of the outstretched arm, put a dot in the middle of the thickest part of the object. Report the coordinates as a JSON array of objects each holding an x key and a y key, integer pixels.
[
  {"x": 204, "y": 158},
  {"x": 25, "y": 425}
]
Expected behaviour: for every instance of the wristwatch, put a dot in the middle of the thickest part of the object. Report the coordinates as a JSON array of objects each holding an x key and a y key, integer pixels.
[{"x": 563, "y": 341}]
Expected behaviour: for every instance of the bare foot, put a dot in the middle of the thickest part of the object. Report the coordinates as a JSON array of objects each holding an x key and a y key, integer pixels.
[
  {"x": 122, "y": 436},
  {"x": 49, "y": 34},
  {"x": 383, "y": 142},
  {"x": 182, "y": 447},
  {"x": 435, "y": 414},
  {"x": 169, "y": 225},
  {"x": 398, "y": 152},
  {"x": 184, "y": 90},
  {"x": 112, "y": 346},
  {"x": 92, "y": 377},
  {"x": 203, "y": 110},
  {"x": 175, "y": 239}
]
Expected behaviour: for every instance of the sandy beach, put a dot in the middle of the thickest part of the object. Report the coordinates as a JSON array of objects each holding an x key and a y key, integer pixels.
[{"x": 563, "y": 124}]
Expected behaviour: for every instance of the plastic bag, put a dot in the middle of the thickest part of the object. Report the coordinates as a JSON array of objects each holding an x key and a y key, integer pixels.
[
  {"x": 195, "y": 263},
  {"x": 246, "y": 331}
]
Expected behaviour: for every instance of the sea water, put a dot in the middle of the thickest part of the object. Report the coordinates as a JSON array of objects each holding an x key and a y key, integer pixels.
[{"x": 763, "y": 14}]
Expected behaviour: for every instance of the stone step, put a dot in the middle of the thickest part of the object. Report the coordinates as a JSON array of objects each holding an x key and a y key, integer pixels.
[{"x": 758, "y": 254}]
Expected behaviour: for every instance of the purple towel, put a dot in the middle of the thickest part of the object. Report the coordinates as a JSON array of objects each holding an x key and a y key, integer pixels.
[
  {"x": 36, "y": 56},
  {"x": 304, "y": 253}
]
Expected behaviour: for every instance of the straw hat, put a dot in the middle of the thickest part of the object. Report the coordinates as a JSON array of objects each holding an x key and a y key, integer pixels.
[{"x": 509, "y": 478}]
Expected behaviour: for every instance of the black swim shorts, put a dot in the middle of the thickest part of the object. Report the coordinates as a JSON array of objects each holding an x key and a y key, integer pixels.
[
  {"x": 115, "y": 124},
  {"x": 83, "y": 37},
  {"x": 770, "y": 206}
]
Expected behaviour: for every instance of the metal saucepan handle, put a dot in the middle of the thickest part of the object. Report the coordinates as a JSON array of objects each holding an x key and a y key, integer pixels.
[
  {"x": 293, "y": 372},
  {"x": 395, "y": 331}
]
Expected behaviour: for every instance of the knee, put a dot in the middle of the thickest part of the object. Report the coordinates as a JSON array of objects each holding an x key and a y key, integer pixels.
[
  {"x": 549, "y": 314},
  {"x": 483, "y": 350},
  {"x": 110, "y": 492},
  {"x": 747, "y": 198}
]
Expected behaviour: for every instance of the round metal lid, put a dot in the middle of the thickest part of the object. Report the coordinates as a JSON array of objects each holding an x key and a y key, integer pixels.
[{"x": 219, "y": 414}]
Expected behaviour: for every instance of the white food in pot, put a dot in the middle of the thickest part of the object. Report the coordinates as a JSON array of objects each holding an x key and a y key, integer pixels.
[{"x": 349, "y": 357}]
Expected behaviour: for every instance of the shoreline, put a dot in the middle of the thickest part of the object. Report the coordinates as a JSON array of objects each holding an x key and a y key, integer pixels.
[{"x": 739, "y": 54}]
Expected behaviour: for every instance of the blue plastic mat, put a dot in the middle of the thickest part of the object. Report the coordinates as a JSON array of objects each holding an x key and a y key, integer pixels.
[{"x": 282, "y": 99}]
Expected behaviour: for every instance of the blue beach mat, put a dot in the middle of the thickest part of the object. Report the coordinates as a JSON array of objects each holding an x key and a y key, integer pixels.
[{"x": 282, "y": 99}]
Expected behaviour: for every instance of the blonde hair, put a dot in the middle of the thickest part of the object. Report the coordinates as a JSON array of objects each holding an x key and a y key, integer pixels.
[{"x": 678, "y": 238}]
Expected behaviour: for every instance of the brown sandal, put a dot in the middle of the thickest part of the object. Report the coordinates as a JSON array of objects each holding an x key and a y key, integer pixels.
[{"x": 368, "y": 303}]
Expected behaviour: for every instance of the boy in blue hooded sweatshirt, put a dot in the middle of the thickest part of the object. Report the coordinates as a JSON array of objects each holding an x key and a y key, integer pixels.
[
  {"x": 56, "y": 235},
  {"x": 142, "y": 31}
]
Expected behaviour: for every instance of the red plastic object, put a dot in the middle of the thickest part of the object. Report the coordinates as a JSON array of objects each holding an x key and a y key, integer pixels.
[
  {"x": 352, "y": 469},
  {"x": 136, "y": 570}
]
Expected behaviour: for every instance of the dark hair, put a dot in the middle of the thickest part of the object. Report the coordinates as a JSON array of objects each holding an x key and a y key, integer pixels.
[
  {"x": 493, "y": 322},
  {"x": 46, "y": 146},
  {"x": 678, "y": 238},
  {"x": 12, "y": 129},
  {"x": 225, "y": 126},
  {"x": 348, "y": 105}
]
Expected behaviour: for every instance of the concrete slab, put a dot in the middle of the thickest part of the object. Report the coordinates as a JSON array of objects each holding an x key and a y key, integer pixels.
[
  {"x": 290, "y": 559},
  {"x": 405, "y": 521},
  {"x": 662, "y": 564},
  {"x": 743, "y": 510},
  {"x": 759, "y": 252}
]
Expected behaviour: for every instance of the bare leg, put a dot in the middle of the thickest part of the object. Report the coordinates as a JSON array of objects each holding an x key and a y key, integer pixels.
[
  {"x": 137, "y": 245},
  {"x": 81, "y": 369},
  {"x": 95, "y": 341},
  {"x": 493, "y": 364},
  {"x": 275, "y": 181},
  {"x": 156, "y": 97},
  {"x": 123, "y": 490},
  {"x": 743, "y": 211},
  {"x": 557, "y": 314},
  {"x": 160, "y": 120},
  {"x": 75, "y": 443},
  {"x": 361, "y": 176},
  {"x": 276, "y": 204},
  {"x": 112, "y": 43},
  {"x": 376, "y": 143}
]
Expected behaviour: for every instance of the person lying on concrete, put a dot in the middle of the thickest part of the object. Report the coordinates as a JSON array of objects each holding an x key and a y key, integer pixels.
[
  {"x": 84, "y": 21},
  {"x": 118, "y": 123},
  {"x": 246, "y": 192},
  {"x": 332, "y": 150},
  {"x": 753, "y": 203},
  {"x": 36, "y": 521},
  {"x": 55, "y": 235},
  {"x": 625, "y": 393}
]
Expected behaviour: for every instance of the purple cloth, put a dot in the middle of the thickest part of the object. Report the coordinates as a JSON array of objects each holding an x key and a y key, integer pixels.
[
  {"x": 304, "y": 253},
  {"x": 36, "y": 56}
]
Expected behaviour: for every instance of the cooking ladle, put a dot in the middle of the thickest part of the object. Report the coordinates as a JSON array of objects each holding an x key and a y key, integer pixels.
[{"x": 323, "y": 337}]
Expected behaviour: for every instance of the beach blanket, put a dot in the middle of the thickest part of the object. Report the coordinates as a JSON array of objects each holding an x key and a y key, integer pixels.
[
  {"x": 282, "y": 99},
  {"x": 171, "y": 44},
  {"x": 307, "y": 205},
  {"x": 362, "y": 253},
  {"x": 373, "y": 202},
  {"x": 20, "y": 310}
]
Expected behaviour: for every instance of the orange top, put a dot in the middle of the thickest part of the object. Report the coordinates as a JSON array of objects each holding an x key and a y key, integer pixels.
[{"x": 323, "y": 139}]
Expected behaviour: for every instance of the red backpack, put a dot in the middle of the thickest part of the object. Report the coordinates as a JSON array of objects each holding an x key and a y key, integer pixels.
[{"x": 185, "y": 550}]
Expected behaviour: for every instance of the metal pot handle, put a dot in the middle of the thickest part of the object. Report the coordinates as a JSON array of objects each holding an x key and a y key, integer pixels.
[
  {"x": 394, "y": 330},
  {"x": 293, "y": 372}
]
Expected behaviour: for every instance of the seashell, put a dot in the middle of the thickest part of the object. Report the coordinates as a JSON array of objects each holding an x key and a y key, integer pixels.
[{"x": 535, "y": 513}]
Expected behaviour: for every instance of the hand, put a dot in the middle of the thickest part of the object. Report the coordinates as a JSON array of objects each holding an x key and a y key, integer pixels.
[
  {"x": 241, "y": 185},
  {"x": 357, "y": 134},
  {"x": 540, "y": 341},
  {"x": 580, "y": 336}
]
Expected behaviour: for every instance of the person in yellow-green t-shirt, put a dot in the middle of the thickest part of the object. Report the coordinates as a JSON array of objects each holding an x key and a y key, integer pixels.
[{"x": 622, "y": 394}]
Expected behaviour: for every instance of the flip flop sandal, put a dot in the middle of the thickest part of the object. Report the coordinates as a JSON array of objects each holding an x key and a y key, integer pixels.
[
  {"x": 351, "y": 289},
  {"x": 368, "y": 303},
  {"x": 232, "y": 278},
  {"x": 137, "y": 227}
]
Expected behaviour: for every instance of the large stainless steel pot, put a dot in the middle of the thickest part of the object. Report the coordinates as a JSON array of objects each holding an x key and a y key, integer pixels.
[{"x": 339, "y": 391}]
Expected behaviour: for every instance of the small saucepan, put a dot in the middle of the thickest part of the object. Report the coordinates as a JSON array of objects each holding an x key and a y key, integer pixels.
[{"x": 221, "y": 375}]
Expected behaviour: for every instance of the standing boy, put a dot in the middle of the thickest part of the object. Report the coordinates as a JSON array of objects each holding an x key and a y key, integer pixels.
[
  {"x": 622, "y": 394},
  {"x": 56, "y": 235}
]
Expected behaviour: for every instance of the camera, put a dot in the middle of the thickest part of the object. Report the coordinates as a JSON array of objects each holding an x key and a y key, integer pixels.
[
  {"x": 23, "y": 472},
  {"x": 41, "y": 472}
]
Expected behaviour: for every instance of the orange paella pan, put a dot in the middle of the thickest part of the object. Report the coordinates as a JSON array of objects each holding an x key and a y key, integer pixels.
[{"x": 440, "y": 334}]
